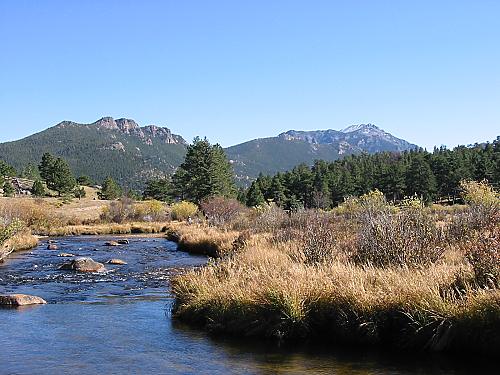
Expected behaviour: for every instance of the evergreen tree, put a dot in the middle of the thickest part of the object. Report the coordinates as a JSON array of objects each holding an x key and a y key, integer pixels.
[
  {"x": 38, "y": 190},
  {"x": 61, "y": 177},
  {"x": 84, "y": 181},
  {"x": 6, "y": 169},
  {"x": 255, "y": 196},
  {"x": 205, "y": 172},
  {"x": 8, "y": 189},
  {"x": 159, "y": 189},
  {"x": 110, "y": 190},
  {"x": 31, "y": 172},
  {"x": 79, "y": 192},
  {"x": 420, "y": 180},
  {"x": 278, "y": 191},
  {"x": 46, "y": 167}
]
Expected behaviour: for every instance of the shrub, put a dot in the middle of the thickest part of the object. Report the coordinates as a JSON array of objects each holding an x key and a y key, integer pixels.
[
  {"x": 10, "y": 230},
  {"x": 483, "y": 253},
  {"x": 151, "y": 210},
  {"x": 317, "y": 238},
  {"x": 220, "y": 211},
  {"x": 118, "y": 211},
  {"x": 269, "y": 217},
  {"x": 182, "y": 210},
  {"x": 482, "y": 212},
  {"x": 407, "y": 238}
]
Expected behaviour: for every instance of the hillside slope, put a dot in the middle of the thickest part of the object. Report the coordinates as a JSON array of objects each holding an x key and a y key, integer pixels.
[{"x": 119, "y": 148}]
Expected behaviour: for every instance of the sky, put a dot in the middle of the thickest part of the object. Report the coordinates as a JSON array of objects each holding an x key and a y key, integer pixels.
[{"x": 425, "y": 71}]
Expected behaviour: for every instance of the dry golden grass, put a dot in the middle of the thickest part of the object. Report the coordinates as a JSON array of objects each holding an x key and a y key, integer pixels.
[
  {"x": 202, "y": 239},
  {"x": 21, "y": 241},
  {"x": 107, "y": 228},
  {"x": 265, "y": 292}
]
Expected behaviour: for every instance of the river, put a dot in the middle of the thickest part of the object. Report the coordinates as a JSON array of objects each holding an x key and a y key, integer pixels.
[{"x": 118, "y": 322}]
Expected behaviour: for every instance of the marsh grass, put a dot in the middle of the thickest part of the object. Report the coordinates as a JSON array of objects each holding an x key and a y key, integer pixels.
[{"x": 374, "y": 274}]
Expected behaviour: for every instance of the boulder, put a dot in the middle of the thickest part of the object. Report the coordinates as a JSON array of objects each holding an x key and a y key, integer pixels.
[
  {"x": 116, "y": 261},
  {"x": 20, "y": 300},
  {"x": 112, "y": 243},
  {"x": 123, "y": 241},
  {"x": 83, "y": 265},
  {"x": 66, "y": 255},
  {"x": 52, "y": 247}
]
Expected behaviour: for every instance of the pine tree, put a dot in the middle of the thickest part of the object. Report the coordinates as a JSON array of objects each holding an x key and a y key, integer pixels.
[
  {"x": 159, "y": 189},
  {"x": 110, "y": 190},
  {"x": 255, "y": 196},
  {"x": 8, "y": 189},
  {"x": 205, "y": 172},
  {"x": 46, "y": 166},
  {"x": 79, "y": 192},
  {"x": 6, "y": 169},
  {"x": 38, "y": 190},
  {"x": 62, "y": 179},
  {"x": 278, "y": 191}
]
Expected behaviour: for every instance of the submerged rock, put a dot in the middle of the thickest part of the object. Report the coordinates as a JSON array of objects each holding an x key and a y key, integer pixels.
[
  {"x": 66, "y": 255},
  {"x": 112, "y": 243},
  {"x": 83, "y": 265},
  {"x": 20, "y": 300},
  {"x": 52, "y": 247},
  {"x": 123, "y": 241},
  {"x": 116, "y": 261}
]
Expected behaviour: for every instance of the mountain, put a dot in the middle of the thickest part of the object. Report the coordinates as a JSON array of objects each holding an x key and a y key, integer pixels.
[
  {"x": 281, "y": 153},
  {"x": 119, "y": 148},
  {"x": 132, "y": 154}
]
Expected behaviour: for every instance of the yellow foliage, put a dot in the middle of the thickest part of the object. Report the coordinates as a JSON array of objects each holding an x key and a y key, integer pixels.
[{"x": 182, "y": 210}]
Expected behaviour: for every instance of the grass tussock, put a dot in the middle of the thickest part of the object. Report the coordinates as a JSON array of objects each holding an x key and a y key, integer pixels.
[
  {"x": 201, "y": 239},
  {"x": 106, "y": 228},
  {"x": 378, "y": 275}
]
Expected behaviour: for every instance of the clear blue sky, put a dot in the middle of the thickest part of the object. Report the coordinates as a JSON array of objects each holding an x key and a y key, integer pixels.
[{"x": 426, "y": 71}]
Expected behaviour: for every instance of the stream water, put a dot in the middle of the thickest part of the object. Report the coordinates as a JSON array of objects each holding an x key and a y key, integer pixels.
[{"x": 118, "y": 322}]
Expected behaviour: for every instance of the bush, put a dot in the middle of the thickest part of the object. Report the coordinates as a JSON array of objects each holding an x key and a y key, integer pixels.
[
  {"x": 269, "y": 217},
  {"x": 182, "y": 210},
  {"x": 118, "y": 211},
  {"x": 151, "y": 210},
  {"x": 317, "y": 237},
  {"x": 10, "y": 230},
  {"x": 220, "y": 211},
  {"x": 407, "y": 238},
  {"x": 483, "y": 253}
]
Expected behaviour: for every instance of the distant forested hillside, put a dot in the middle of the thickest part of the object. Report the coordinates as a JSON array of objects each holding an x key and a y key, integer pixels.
[{"x": 428, "y": 175}]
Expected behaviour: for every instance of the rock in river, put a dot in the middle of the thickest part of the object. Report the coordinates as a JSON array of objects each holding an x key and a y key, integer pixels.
[
  {"x": 112, "y": 243},
  {"x": 123, "y": 241},
  {"x": 116, "y": 261},
  {"x": 83, "y": 265},
  {"x": 52, "y": 247},
  {"x": 66, "y": 255},
  {"x": 20, "y": 300}
]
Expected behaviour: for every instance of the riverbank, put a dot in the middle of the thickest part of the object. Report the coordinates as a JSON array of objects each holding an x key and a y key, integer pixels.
[
  {"x": 396, "y": 278},
  {"x": 21, "y": 241}
]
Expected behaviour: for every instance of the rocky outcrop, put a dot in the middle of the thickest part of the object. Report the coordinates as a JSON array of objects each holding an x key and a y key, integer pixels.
[
  {"x": 20, "y": 300},
  {"x": 116, "y": 262},
  {"x": 83, "y": 265}
]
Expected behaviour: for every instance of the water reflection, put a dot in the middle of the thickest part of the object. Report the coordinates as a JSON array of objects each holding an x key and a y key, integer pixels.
[{"x": 118, "y": 322}]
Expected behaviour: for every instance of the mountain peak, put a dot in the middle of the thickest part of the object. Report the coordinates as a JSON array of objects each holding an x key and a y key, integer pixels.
[{"x": 361, "y": 127}]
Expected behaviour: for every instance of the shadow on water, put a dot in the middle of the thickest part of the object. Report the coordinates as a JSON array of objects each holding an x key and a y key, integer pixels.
[{"x": 119, "y": 322}]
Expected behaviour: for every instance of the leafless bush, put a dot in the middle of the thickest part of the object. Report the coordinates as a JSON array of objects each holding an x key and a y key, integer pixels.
[
  {"x": 220, "y": 211},
  {"x": 483, "y": 253},
  {"x": 119, "y": 211},
  {"x": 317, "y": 237},
  {"x": 407, "y": 238},
  {"x": 270, "y": 218}
]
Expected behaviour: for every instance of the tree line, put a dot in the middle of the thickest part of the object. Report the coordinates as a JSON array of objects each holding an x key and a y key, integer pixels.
[
  {"x": 206, "y": 172},
  {"x": 429, "y": 175}
]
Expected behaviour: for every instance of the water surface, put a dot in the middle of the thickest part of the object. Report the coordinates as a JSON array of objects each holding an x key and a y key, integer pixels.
[{"x": 118, "y": 322}]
